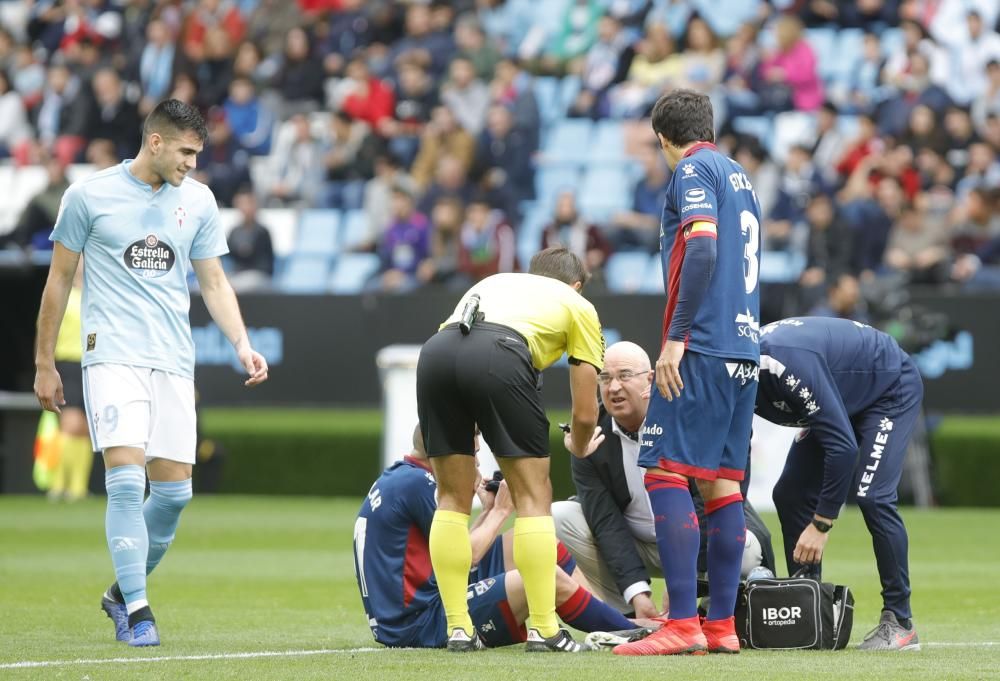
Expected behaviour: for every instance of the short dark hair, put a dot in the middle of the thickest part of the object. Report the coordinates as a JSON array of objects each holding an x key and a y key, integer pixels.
[
  {"x": 174, "y": 116},
  {"x": 684, "y": 116},
  {"x": 559, "y": 263}
]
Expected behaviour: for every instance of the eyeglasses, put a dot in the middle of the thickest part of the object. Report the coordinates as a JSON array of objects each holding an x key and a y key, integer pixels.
[{"x": 624, "y": 376}]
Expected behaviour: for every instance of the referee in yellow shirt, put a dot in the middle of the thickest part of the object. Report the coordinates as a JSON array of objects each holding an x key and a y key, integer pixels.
[
  {"x": 482, "y": 368},
  {"x": 76, "y": 456}
]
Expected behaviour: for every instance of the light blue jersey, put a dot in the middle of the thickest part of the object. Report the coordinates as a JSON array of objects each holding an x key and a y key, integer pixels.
[{"x": 137, "y": 245}]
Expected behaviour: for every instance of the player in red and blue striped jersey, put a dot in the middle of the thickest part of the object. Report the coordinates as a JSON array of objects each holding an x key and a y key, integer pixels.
[
  {"x": 698, "y": 423},
  {"x": 397, "y": 584}
]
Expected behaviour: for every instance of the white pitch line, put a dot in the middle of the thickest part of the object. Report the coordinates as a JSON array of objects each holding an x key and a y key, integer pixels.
[
  {"x": 184, "y": 658},
  {"x": 31, "y": 664}
]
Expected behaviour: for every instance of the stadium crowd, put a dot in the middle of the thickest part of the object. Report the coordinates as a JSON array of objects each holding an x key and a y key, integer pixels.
[{"x": 462, "y": 131}]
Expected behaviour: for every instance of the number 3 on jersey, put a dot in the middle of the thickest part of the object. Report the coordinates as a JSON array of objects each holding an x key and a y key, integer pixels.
[{"x": 751, "y": 265}]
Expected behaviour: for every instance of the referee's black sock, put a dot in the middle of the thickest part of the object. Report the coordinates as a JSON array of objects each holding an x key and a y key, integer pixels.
[{"x": 143, "y": 614}]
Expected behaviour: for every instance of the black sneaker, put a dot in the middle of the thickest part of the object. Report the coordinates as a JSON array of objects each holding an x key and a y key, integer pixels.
[
  {"x": 460, "y": 642},
  {"x": 891, "y": 635},
  {"x": 561, "y": 642}
]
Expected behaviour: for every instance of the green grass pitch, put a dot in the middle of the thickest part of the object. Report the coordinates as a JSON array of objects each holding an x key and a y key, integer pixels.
[{"x": 249, "y": 576}]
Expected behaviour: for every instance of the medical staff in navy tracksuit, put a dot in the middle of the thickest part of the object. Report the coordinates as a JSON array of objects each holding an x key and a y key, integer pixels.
[{"x": 858, "y": 396}]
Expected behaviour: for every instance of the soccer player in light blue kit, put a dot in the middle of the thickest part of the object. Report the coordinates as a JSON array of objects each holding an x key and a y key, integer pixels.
[{"x": 140, "y": 224}]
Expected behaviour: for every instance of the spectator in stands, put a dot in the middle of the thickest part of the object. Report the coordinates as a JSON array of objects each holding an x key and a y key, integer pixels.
[
  {"x": 441, "y": 265},
  {"x": 914, "y": 89},
  {"x": 222, "y": 164},
  {"x": 503, "y": 157},
  {"x": 979, "y": 267},
  {"x": 114, "y": 117},
  {"x": 605, "y": 64},
  {"x": 959, "y": 136},
  {"x": 296, "y": 164},
  {"x": 466, "y": 96},
  {"x": 789, "y": 71},
  {"x": 763, "y": 172},
  {"x": 487, "y": 244},
  {"x": 215, "y": 71},
  {"x": 576, "y": 33},
  {"x": 209, "y": 14},
  {"x": 571, "y": 230},
  {"x": 299, "y": 80},
  {"x": 871, "y": 213},
  {"x": 918, "y": 246},
  {"x": 865, "y": 80},
  {"x": 101, "y": 154},
  {"x": 799, "y": 181},
  {"x": 416, "y": 98},
  {"x": 442, "y": 137},
  {"x": 648, "y": 74},
  {"x": 827, "y": 145},
  {"x": 450, "y": 179},
  {"x": 976, "y": 220},
  {"x": 271, "y": 21},
  {"x": 702, "y": 63},
  {"x": 473, "y": 44},
  {"x": 988, "y": 102},
  {"x": 61, "y": 118},
  {"x": 156, "y": 65},
  {"x": 14, "y": 128},
  {"x": 251, "y": 120},
  {"x": 741, "y": 75},
  {"x": 39, "y": 217},
  {"x": 843, "y": 301},
  {"x": 347, "y": 31},
  {"x": 184, "y": 89},
  {"x": 983, "y": 169},
  {"x": 865, "y": 143},
  {"x": 639, "y": 227},
  {"x": 250, "y": 248},
  {"x": 350, "y": 162},
  {"x": 28, "y": 75},
  {"x": 378, "y": 197},
  {"x": 829, "y": 250},
  {"x": 432, "y": 49},
  {"x": 367, "y": 98},
  {"x": 924, "y": 131},
  {"x": 249, "y": 63},
  {"x": 405, "y": 244},
  {"x": 511, "y": 87},
  {"x": 970, "y": 54}
]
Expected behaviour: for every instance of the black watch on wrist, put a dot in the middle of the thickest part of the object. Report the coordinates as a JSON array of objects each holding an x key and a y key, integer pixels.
[{"x": 822, "y": 526}]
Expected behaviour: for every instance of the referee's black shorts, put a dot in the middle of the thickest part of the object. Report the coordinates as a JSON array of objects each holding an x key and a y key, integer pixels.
[
  {"x": 72, "y": 379},
  {"x": 484, "y": 379}
]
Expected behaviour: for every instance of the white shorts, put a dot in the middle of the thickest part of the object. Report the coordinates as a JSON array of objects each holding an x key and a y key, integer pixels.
[{"x": 139, "y": 407}]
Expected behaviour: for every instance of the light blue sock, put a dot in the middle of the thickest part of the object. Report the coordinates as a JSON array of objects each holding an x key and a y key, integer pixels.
[
  {"x": 126, "y": 532},
  {"x": 162, "y": 512}
]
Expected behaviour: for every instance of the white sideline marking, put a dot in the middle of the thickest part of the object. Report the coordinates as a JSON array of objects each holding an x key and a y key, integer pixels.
[
  {"x": 183, "y": 658},
  {"x": 29, "y": 664}
]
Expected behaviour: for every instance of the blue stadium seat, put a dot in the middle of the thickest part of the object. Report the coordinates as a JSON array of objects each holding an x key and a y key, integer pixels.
[
  {"x": 625, "y": 272},
  {"x": 318, "y": 232},
  {"x": 757, "y": 126},
  {"x": 354, "y": 230},
  {"x": 529, "y": 233},
  {"x": 569, "y": 88},
  {"x": 305, "y": 273},
  {"x": 780, "y": 267},
  {"x": 848, "y": 126},
  {"x": 824, "y": 44},
  {"x": 609, "y": 143},
  {"x": 567, "y": 142},
  {"x": 850, "y": 42},
  {"x": 726, "y": 16},
  {"x": 549, "y": 181},
  {"x": 546, "y": 89},
  {"x": 791, "y": 128},
  {"x": 891, "y": 40},
  {"x": 352, "y": 271},
  {"x": 605, "y": 189},
  {"x": 652, "y": 282}
]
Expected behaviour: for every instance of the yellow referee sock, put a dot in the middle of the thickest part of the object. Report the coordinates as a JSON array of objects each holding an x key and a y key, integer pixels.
[
  {"x": 79, "y": 458},
  {"x": 451, "y": 557},
  {"x": 535, "y": 557}
]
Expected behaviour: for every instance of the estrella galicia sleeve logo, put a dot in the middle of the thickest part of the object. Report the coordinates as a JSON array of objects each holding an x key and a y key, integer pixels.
[{"x": 149, "y": 258}]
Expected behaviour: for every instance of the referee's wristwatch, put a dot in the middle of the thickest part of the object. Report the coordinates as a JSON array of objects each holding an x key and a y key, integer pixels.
[{"x": 822, "y": 525}]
